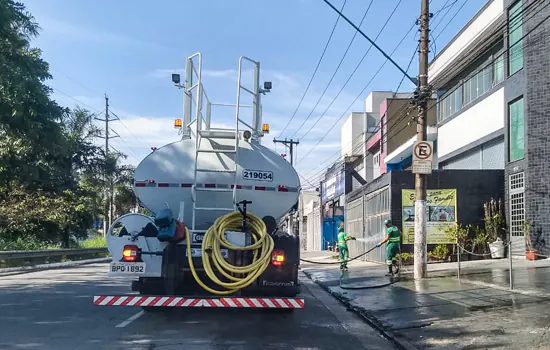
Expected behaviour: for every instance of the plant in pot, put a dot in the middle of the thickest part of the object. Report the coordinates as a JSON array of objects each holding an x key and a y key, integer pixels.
[
  {"x": 479, "y": 241},
  {"x": 495, "y": 227},
  {"x": 406, "y": 258},
  {"x": 458, "y": 234},
  {"x": 530, "y": 253},
  {"x": 439, "y": 253}
]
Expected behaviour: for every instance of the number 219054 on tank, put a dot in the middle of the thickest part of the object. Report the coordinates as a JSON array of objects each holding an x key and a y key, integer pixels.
[{"x": 258, "y": 175}]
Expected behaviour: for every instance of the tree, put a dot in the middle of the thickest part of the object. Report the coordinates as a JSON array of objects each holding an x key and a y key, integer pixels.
[{"x": 31, "y": 139}]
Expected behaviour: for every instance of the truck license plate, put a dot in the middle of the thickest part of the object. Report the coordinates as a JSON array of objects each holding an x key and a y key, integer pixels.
[
  {"x": 197, "y": 253},
  {"x": 124, "y": 268}
]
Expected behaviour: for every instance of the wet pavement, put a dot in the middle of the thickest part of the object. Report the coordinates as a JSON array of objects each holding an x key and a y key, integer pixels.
[
  {"x": 53, "y": 310},
  {"x": 477, "y": 312}
]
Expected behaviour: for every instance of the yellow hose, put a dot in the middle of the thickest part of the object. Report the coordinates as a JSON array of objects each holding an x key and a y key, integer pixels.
[{"x": 214, "y": 238}]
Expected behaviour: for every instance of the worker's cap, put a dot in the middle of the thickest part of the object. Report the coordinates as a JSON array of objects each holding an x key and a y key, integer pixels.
[
  {"x": 387, "y": 221},
  {"x": 165, "y": 223}
]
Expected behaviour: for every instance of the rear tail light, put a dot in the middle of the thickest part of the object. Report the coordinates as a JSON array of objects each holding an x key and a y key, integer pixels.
[
  {"x": 277, "y": 257},
  {"x": 131, "y": 253}
]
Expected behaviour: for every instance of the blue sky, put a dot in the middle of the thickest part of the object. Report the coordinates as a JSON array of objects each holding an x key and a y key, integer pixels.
[{"x": 128, "y": 49}]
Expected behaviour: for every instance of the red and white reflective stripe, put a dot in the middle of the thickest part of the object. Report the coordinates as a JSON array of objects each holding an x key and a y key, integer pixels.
[
  {"x": 165, "y": 301},
  {"x": 150, "y": 183}
]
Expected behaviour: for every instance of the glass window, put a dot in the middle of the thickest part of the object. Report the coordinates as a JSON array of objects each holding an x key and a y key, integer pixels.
[
  {"x": 515, "y": 30},
  {"x": 517, "y": 131},
  {"x": 467, "y": 94},
  {"x": 498, "y": 66},
  {"x": 458, "y": 98},
  {"x": 487, "y": 78}
]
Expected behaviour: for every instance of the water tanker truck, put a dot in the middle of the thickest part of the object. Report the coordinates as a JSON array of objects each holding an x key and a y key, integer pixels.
[{"x": 216, "y": 199}]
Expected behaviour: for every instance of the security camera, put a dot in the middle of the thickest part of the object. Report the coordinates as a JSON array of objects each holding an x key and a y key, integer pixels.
[{"x": 176, "y": 78}]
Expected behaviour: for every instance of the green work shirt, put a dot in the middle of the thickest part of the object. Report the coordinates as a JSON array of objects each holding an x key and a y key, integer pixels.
[
  {"x": 395, "y": 235},
  {"x": 342, "y": 238}
]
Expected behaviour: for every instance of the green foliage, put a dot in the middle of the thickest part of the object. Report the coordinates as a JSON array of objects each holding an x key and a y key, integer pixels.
[
  {"x": 494, "y": 219},
  {"x": 96, "y": 242},
  {"x": 440, "y": 252},
  {"x": 52, "y": 175},
  {"x": 406, "y": 257}
]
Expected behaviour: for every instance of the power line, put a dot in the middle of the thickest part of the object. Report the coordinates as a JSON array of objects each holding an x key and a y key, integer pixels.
[
  {"x": 315, "y": 176},
  {"x": 355, "y": 70},
  {"x": 314, "y": 72},
  {"x": 378, "y": 123},
  {"x": 388, "y": 58},
  {"x": 337, "y": 68},
  {"x": 452, "y": 18},
  {"x": 361, "y": 93}
]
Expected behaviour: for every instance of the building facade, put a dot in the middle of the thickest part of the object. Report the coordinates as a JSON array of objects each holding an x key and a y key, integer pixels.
[{"x": 493, "y": 109}]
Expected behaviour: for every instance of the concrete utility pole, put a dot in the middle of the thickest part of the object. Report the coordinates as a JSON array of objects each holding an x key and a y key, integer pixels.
[
  {"x": 422, "y": 95},
  {"x": 107, "y": 177},
  {"x": 289, "y": 144}
]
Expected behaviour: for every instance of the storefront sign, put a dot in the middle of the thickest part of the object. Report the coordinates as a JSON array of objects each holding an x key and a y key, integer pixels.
[{"x": 440, "y": 215}]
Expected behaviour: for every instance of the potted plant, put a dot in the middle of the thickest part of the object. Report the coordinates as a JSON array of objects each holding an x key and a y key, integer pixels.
[
  {"x": 480, "y": 242},
  {"x": 439, "y": 253},
  {"x": 458, "y": 234},
  {"x": 530, "y": 253},
  {"x": 495, "y": 227}
]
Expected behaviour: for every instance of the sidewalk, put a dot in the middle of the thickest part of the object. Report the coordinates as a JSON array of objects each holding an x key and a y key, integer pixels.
[{"x": 477, "y": 312}]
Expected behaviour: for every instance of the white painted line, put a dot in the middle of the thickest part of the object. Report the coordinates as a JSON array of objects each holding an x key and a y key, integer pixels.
[{"x": 131, "y": 319}]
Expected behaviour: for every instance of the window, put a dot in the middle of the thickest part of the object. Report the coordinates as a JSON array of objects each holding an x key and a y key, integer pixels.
[
  {"x": 515, "y": 44},
  {"x": 517, "y": 132},
  {"x": 517, "y": 203},
  {"x": 498, "y": 70},
  {"x": 472, "y": 88}
]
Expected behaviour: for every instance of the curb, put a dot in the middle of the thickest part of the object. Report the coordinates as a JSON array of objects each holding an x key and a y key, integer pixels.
[
  {"x": 370, "y": 320},
  {"x": 27, "y": 269}
]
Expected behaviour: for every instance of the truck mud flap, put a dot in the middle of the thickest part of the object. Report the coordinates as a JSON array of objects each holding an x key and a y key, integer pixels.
[{"x": 214, "y": 302}]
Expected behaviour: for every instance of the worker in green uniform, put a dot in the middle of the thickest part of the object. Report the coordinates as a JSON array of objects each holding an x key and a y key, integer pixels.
[
  {"x": 343, "y": 251},
  {"x": 393, "y": 237}
]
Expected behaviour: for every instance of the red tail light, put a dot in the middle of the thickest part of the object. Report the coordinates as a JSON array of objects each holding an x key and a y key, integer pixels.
[
  {"x": 277, "y": 257},
  {"x": 130, "y": 253}
]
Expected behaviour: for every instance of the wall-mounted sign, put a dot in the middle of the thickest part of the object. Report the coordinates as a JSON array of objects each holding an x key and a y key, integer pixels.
[
  {"x": 440, "y": 215},
  {"x": 333, "y": 187}
]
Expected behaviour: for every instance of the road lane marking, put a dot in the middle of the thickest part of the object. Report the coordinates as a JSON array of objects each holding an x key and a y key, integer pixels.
[{"x": 131, "y": 319}]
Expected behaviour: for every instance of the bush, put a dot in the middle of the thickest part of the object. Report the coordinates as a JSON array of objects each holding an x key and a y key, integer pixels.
[{"x": 96, "y": 242}]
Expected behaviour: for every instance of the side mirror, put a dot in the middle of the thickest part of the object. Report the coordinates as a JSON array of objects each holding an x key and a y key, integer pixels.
[{"x": 176, "y": 78}]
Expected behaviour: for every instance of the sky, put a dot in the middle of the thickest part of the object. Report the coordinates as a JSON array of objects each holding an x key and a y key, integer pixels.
[{"x": 129, "y": 49}]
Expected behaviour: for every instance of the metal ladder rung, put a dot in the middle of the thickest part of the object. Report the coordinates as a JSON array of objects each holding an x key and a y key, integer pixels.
[
  {"x": 216, "y": 171},
  {"x": 217, "y": 150},
  {"x": 213, "y": 209},
  {"x": 206, "y": 189},
  {"x": 218, "y": 134}
]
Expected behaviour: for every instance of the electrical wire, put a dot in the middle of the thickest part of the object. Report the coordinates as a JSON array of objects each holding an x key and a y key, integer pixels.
[
  {"x": 315, "y": 71},
  {"x": 437, "y": 103},
  {"x": 451, "y": 20},
  {"x": 336, "y": 71},
  {"x": 355, "y": 70}
]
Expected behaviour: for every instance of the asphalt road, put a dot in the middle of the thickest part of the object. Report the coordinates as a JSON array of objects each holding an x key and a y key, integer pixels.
[{"x": 53, "y": 310}]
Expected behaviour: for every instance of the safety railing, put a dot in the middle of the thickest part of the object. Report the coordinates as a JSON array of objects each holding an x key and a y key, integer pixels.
[{"x": 29, "y": 256}]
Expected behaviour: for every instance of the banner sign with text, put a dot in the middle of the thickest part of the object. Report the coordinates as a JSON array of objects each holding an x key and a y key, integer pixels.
[{"x": 440, "y": 215}]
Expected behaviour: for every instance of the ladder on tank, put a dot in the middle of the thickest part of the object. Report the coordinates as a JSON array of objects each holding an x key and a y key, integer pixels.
[{"x": 203, "y": 132}]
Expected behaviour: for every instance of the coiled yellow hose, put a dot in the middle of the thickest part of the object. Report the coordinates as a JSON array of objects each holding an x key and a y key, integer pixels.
[{"x": 214, "y": 238}]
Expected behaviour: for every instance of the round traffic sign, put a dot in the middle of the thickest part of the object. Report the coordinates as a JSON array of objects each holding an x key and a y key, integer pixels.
[{"x": 423, "y": 150}]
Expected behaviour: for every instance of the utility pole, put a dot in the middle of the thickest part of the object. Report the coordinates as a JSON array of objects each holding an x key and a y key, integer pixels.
[
  {"x": 106, "y": 176},
  {"x": 421, "y": 96},
  {"x": 290, "y": 144}
]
